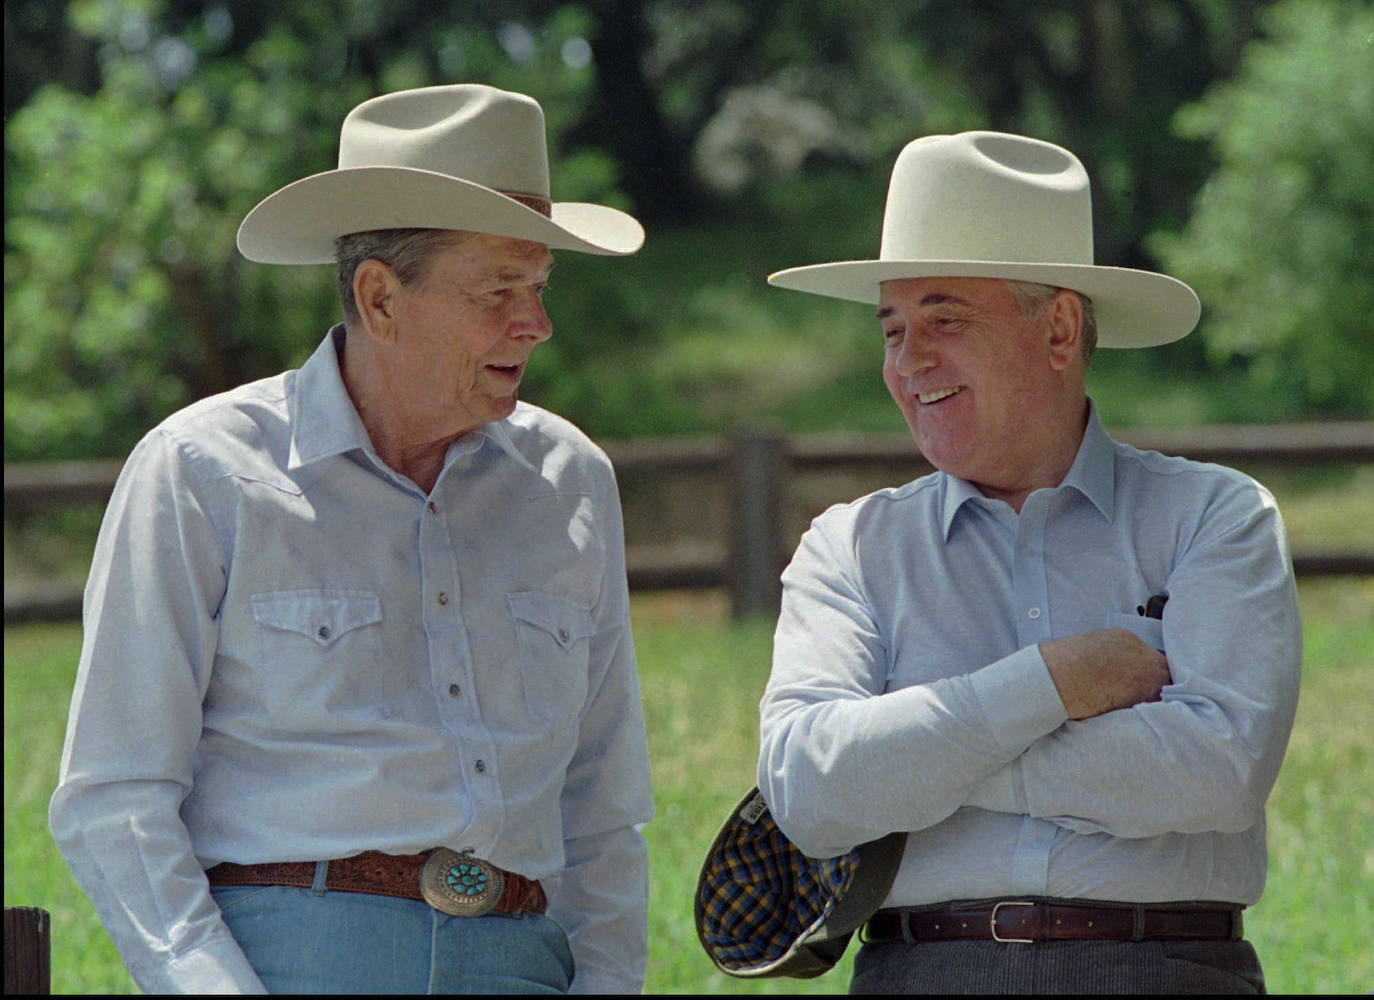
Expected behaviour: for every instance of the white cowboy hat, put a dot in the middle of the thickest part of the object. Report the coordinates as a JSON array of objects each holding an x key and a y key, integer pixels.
[
  {"x": 464, "y": 156},
  {"x": 992, "y": 205}
]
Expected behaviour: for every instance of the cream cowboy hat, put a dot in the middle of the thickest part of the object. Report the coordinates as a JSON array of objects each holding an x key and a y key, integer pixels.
[
  {"x": 464, "y": 156},
  {"x": 992, "y": 205}
]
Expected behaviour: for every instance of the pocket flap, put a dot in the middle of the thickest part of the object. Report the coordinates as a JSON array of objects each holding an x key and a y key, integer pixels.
[
  {"x": 323, "y": 615},
  {"x": 557, "y": 616}
]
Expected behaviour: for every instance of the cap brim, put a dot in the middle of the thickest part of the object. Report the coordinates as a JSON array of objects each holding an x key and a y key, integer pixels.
[
  {"x": 299, "y": 223},
  {"x": 1133, "y": 308}
]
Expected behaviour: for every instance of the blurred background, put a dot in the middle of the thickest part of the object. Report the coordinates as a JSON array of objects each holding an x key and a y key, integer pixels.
[{"x": 1228, "y": 143}]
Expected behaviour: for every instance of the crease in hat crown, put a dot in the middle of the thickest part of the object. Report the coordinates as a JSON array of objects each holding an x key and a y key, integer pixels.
[
  {"x": 443, "y": 129},
  {"x": 995, "y": 205},
  {"x": 458, "y": 156}
]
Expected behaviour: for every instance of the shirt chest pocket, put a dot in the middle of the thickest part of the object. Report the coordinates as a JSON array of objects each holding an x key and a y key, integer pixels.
[
  {"x": 320, "y": 657},
  {"x": 553, "y": 646}
]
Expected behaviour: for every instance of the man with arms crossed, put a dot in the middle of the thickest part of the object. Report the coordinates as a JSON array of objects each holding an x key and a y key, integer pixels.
[
  {"x": 357, "y": 707},
  {"x": 1067, "y": 667}
]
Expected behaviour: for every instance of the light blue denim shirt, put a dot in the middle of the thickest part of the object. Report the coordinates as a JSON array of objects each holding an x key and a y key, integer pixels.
[
  {"x": 292, "y": 653},
  {"x": 908, "y": 691}
]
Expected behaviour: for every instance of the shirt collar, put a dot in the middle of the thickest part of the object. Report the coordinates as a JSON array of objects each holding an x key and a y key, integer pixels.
[
  {"x": 499, "y": 434},
  {"x": 325, "y": 423},
  {"x": 1093, "y": 474}
]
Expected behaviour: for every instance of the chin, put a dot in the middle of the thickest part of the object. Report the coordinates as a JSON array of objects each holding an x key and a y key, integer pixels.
[{"x": 503, "y": 409}]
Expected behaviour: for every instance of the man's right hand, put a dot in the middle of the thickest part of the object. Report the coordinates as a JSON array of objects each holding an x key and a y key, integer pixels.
[{"x": 1100, "y": 671}]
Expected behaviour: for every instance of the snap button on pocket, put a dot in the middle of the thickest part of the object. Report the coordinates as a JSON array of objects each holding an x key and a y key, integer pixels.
[
  {"x": 319, "y": 656},
  {"x": 552, "y": 636}
]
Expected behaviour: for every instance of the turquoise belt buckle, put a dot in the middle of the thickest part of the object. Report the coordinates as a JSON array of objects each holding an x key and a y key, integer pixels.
[{"x": 460, "y": 884}]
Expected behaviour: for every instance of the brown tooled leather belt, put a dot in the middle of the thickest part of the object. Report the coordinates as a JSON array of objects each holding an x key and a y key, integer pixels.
[
  {"x": 1025, "y": 921},
  {"x": 453, "y": 883}
]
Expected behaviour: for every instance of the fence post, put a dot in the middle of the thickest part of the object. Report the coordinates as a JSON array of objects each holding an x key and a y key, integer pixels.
[
  {"x": 28, "y": 957},
  {"x": 757, "y": 471}
]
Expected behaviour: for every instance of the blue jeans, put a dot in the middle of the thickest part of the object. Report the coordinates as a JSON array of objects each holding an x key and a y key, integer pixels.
[{"x": 307, "y": 941}]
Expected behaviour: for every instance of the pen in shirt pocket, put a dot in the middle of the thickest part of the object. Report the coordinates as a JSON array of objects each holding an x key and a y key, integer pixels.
[{"x": 1154, "y": 607}]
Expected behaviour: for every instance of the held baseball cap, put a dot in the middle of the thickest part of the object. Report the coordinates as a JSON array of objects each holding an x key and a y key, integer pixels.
[{"x": 765, "y": 909}]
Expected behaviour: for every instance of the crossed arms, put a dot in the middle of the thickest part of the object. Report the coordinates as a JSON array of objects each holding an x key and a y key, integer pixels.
[{"x": 1096, "y": 731}]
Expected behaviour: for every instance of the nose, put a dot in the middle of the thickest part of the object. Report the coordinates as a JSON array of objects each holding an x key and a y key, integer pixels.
[
  {"x": 531, "y": 320},
  {"x": 916, "y": 353}
]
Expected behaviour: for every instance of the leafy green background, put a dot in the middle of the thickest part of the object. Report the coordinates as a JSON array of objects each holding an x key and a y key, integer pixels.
[{"x": 1228, "y": 142}]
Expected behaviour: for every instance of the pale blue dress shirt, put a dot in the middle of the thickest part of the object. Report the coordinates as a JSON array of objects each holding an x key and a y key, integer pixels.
[
  {"x": 908, "y": 691},
  {"x": 293, "y": 654}
]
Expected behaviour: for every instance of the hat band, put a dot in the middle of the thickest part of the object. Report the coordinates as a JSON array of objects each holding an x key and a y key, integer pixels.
[{"x": 541, "y": 205}]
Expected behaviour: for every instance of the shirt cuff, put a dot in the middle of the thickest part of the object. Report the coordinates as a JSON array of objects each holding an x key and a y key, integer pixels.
[
  {"x": 590, "y": 984},
  {"x": 1018, "y": 698},
  {"x": 217, "y": 967}
]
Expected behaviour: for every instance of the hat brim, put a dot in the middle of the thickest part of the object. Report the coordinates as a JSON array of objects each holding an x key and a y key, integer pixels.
[
  {"x": 1133, "y": 308},
  {"x": 299, "y": 223}
]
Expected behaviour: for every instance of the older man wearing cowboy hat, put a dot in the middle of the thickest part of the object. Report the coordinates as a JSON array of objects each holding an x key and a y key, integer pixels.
[
  {"x": 357, "y": 707},
  {"x": 1066, "y": 668}
]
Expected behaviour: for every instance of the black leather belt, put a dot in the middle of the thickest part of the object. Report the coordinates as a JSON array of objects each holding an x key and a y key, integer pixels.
[{"x": 1025, "y": 921}]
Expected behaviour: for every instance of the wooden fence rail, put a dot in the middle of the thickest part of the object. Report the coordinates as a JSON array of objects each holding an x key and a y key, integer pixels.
[{"x": 759, "y": 467}]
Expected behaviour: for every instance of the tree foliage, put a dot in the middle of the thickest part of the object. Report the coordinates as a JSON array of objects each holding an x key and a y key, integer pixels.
[
  {"x": 1279, "y": 242},
  {"x": 748, "y": 137}
]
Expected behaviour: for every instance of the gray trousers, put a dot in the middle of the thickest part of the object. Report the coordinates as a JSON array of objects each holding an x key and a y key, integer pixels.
[{"x": 1058, "y": 967}]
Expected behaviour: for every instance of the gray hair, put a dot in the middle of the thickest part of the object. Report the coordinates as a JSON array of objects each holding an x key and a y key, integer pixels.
[
  {"x": 1032, "y": 297},
  {"x": 408, "y": 252}
]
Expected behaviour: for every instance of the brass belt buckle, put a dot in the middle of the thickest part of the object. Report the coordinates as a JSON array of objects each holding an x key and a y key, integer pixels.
[
  {"x": 993, "y": 922},
  {"x": 459, "y": 884}
]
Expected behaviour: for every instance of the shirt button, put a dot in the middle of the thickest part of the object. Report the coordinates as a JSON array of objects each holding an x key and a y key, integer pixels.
[
  {"x": 454, "y": 690},
  {"x": 1033, "y": 613},
  {"x": 480, "y": 765},
  {"x": 562, "y": 635},
  {"x": 443, "y": 599},
  {"x": 433, "y": 509},
  {"x": 324, "y": 632}
]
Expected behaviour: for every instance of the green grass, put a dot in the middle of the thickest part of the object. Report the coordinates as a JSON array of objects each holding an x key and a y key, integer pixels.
[{"x": 702, "y": 677}]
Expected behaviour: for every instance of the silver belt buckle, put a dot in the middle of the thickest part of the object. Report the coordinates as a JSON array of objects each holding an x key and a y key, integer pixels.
[
  {"x": 993, "y": 923},
  {"x": 460, "y": 884}
]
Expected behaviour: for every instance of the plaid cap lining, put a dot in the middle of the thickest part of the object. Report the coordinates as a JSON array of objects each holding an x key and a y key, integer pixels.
[{"x": 760, "y": 897}]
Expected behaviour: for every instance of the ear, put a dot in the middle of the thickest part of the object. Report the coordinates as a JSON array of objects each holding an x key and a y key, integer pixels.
[
  {"x": 1063, "y": 316},
  {"x": 375, "y": 290}
]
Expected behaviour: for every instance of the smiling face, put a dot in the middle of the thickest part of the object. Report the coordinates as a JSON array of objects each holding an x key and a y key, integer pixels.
[
  {"x": 991, "y": 395},
  {"x": 463, "y": 333}
]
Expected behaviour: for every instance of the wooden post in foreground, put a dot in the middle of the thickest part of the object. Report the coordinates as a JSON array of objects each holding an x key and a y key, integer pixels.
[
  {"x": 28, "y": 956},
  {"x": 757, "y": 469}
]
